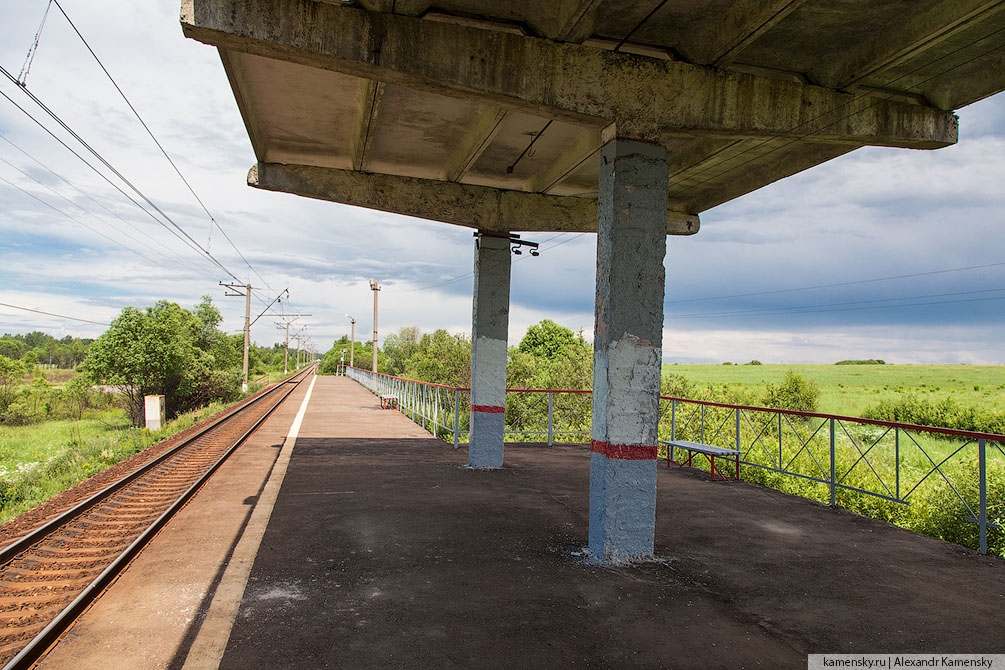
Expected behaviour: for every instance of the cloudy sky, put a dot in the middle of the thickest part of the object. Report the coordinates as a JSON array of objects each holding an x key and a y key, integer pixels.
[{"x": 883, "y": 253}]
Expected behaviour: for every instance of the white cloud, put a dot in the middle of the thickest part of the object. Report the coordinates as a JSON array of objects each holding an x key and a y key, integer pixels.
[{"x": 872, "y": 213}]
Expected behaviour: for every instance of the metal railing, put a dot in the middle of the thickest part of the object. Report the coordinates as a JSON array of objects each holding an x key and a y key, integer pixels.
[
  {"x": 882, "y": 459},
  {"x": 832, "y": 455}
]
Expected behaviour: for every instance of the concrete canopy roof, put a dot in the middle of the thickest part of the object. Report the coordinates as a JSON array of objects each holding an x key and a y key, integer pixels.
[{"x": 491, "y": 114}]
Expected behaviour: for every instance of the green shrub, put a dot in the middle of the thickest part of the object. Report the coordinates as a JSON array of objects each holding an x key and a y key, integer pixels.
[
  {"x": 945, "y": 413},
  {"x": 677, "y": 386},
  {"x": 940, "y": 512},
  {"x": 794, "y": 393}
]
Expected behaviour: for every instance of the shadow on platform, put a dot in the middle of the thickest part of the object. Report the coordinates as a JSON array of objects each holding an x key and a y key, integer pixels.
[{"x": 389, "y": 553}]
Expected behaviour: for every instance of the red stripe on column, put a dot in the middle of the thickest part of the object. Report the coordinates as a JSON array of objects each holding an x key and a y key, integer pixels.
[
  {"x": 624, "y": 452},
  {"x": 488, "y": 409}
]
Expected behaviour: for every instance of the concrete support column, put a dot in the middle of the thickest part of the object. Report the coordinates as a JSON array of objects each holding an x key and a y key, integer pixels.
[
  {"x": 489, "y": 326},
  {"x": 631, "y": 246}
]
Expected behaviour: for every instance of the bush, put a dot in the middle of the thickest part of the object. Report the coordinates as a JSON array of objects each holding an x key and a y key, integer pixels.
[
  {"x": 946, "y": 413},
  {"x": 794, "y": 393},
  {"x": 677, "y": 386},
  {"x": 941, "y": 513},
  {"x": 862, "y": 361}
]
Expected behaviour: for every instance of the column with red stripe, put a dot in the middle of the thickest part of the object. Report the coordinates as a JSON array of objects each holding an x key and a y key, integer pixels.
[
  {"x": 631, "y": 246},
  {"x": 490, "y": 323}
]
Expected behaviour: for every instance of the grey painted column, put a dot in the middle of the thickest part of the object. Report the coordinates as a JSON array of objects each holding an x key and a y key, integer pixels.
[
  {"x": 489, "y": 326},
  {"x": 631, "y": 246}
]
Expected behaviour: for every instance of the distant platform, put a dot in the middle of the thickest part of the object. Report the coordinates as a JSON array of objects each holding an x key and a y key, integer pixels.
[{"x": 383, "y": 550}]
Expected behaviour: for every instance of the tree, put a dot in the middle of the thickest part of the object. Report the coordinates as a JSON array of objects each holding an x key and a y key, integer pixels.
[
  {"x": 547, "y": 340},
  {"x": 155, "y": 352},
  {"x": 550, "y": 356},
  {"x": 11, "y": 348},
  {"x": 209, "y": 319},
  {"x": 399, "y": 347},
  {"x": 441, "y": 358},
  {"x": 364, "y": 357},
  {"x": 11, "y": 374}
]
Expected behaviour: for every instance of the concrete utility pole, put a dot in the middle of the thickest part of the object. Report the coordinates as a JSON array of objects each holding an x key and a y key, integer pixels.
[
  {"x": 247, "y": 334},
  {"x": 247, "y": 324},
  {"x": 286, "y": 351},
  {"x": 374, "y": 286},
  {"x": 285, "y": 325},
  {"x": 352, "y": 342}
]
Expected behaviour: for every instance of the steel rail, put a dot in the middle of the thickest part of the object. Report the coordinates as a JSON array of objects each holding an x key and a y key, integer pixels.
[
  {"x": 9, "y": 552},
  {"x": 42, "y": 642}
]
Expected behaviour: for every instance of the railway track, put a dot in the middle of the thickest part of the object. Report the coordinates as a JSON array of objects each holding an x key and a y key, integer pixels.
[{"x": 49, "y": 576}]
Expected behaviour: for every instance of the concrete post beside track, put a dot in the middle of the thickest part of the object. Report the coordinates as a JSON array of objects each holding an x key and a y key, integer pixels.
[
  {"x": 631, "y": 245},
  {"x": 489, "y": 326}
]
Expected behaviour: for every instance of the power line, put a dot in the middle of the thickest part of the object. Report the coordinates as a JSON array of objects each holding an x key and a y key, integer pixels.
[
  {"x": 805, "y": 309},
  {"x": 850, "y": 309},
  {"x": 117, "y": 230},
  {"x": 143, "y": 123},
  {"x": 177, "y": 257},
  {"x": 75, "y": 220},
  {"x": 114, "y": 171},
  {"x": 30, "y": 57},
  {"x": 472, "y": 274},
  {"x": 98, "y": 172},
  {"x": 836, "y": 284},
  {"x": 58, "y": 316}
]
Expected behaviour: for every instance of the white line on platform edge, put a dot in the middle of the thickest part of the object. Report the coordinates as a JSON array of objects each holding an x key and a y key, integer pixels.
[{"x": 210, "y": 643}]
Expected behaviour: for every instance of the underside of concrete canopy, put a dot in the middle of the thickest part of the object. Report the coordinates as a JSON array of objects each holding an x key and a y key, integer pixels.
[
  {"x": 458, "y": 110},
  {"x": 627, "y": 118}
]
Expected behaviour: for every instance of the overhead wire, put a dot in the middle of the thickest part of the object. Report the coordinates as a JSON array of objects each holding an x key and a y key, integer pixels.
[
  {"x": 838, "y": 284},
  {"x": 213, "y": 221},
  {"x": 472, "y": 274},
  {"x": 804, "y": 309},
  {"x": 30, "y": 57},
  {"x": 78, "y": 221},
  {"x": 55, "y": 117},
  {"x": 179, "y": 259},
  {"x": 58, "y": 316},
  {"x": 96, "y": 170}
]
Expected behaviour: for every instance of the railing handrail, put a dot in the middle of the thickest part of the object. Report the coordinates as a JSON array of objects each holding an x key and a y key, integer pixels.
[
  {"x": 969, "y": 434},
  {"x": 974, "y": 435},
  {"x": 406, "y": 379}
]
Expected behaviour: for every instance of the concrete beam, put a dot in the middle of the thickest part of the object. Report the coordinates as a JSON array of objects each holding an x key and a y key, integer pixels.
[
  {"x": 646, "y": 98},
  {"x": 368, "y": 110},
  {"x": 585, "y": 147},
  {"x": 476, "y": 140},
  {"x": 576, "y": 20},
  {"x": 406, "y": 7},
  {"x": 481, "y": 207},
  {"x": 753, "y": 176},
  {"x": 235, "y": 76},
  {"x": 919, "y": 31},
  {"x": 725, "y": 35}
]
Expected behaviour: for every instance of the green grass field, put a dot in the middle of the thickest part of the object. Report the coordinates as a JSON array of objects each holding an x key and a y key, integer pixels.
[
  {"x": 851, "y": 389},
  {"x": 40, "y": 460}
]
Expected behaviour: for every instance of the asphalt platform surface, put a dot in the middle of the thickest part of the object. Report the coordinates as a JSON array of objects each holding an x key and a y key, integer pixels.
[{"x": 382, "y": 550}]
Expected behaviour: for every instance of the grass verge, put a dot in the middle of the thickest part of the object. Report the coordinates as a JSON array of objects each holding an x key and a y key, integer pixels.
[{"x": 42, "y": 460}]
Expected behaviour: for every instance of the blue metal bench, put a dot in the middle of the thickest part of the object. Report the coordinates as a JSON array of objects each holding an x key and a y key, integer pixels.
[{"x": 706, "y": 450}]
